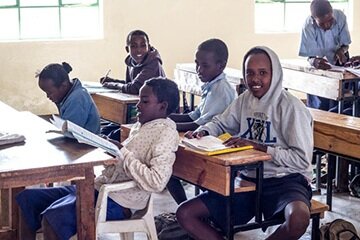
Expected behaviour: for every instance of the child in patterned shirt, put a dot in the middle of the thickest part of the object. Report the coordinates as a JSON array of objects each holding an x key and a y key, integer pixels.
[{"x": 148, "y": 157}]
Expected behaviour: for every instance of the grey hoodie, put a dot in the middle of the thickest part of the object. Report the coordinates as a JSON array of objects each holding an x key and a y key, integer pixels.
[{"x": 278, "y": 119}]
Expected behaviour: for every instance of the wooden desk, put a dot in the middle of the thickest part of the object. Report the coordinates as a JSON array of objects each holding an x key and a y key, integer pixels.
[
  {"x": 217, "y": 173},
  {"x": 338, "y": 135},
  {"x": 44, "y": 158},
  {"x": 187, "y": 80},
  {"x": 300, "y": 76},
  {"x": 116, "y": 107}
]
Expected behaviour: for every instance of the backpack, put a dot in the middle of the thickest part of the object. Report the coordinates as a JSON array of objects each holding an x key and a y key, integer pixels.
[
  {"x": 354, "y": 186},
  {"x": 338, "y": 229},
  {"x": 168, "y": 228}
]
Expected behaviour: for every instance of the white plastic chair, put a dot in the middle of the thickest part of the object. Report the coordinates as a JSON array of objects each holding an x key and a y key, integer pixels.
[{"x": 141, "y": 221}]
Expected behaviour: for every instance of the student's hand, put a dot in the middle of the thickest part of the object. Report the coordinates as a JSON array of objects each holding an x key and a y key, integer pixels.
[
  {"x": 240, "y": 142},
  {"x": 106, "y": 79},
  {"x": 353, "y": 62},
  {"x": 320, "y": 63},
  {"x": 340, "y": 56},
  {"x": 196, "y": 134},
  {"x": 113, "y": 85},
  {"x": 118, "y": 144}
]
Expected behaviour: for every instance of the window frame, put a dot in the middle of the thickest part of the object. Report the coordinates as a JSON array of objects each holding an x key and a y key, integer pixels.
[
  {"x": 284, "y": 28},
  {"x": 59, "y": 6}
]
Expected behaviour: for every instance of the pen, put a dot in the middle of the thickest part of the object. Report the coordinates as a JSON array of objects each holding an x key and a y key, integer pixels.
[{"x": 107, "y": 74}]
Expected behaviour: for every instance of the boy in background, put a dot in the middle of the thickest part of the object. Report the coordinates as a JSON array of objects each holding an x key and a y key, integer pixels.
[
  {"x": 143, "y": 62},
  {"x": 325, "y": 40},
  {"x": 148, "y": 157},
  {"x": 216, "y": 95}
]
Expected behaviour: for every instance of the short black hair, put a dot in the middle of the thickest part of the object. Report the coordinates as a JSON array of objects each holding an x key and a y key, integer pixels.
[
  {"x": 58, "y": 73},
  {"x": 165, "y": 90},
  {"x": 319, "y": 8},
  {"x": 216, "y": 46},
  {"x": 136, "y": 33}
]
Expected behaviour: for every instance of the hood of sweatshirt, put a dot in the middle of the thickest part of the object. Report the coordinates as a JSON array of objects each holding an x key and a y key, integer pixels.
[
  {"x": 275, "y": 89},
  {"x": 151, "y": 56}
]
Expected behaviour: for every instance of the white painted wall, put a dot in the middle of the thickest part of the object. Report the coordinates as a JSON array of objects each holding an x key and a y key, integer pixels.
[{"x": 175, "y": 28}]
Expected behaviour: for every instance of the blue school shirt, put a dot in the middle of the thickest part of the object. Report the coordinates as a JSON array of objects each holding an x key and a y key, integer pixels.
[
  {"x": 79, "y": 108},
  {"x": 216, "y": 96},
  {"x": 317, "y": 42}
]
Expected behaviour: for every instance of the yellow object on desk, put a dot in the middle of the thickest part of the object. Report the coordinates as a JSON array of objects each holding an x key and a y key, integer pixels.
[{"x": 228, "y": 150}]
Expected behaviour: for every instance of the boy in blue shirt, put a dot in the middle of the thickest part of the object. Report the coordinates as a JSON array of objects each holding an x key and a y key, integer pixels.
[
  {"x": 325, "y": 40},
  {"x": 216, "y": 95}
]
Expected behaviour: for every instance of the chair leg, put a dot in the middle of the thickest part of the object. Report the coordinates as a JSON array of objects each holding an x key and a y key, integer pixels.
[
  {"x": 127, "y": 236},
  {"x": 150, "y": 224}
]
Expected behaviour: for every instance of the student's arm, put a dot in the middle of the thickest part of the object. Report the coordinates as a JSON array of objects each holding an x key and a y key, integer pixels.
[
  {"x": 149, "y": 71},
  {"x": 340, "y": 55},
  {"x": 319, "y": 63},
  {"x": 183, "y": 122},
  {"x": 153, "y": 177},
  {"x": 186, "y": 126},
  {"x": 215, "y": 102},
  {"x": 228, "y": 121},
  {"x": 296, "y": 153},
  {"x": 76, "y": 109},
  {"x": 180, "y": 117}
]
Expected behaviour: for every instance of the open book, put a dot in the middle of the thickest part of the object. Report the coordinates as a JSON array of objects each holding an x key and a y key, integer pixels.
[
  {"x": 70, "y": 129},
  {"x": 211, "y": 145}
]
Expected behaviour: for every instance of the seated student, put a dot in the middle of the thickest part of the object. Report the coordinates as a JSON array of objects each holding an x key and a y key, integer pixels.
[
  {"x": 216, "y": 95},
  {"x": 325, "y": 40},
  {"x": 143, "y": 62},
  {"x": 71, "y": 98},
  {"x": 273, "y": 121},
  {"x": 148, "y": 157}
]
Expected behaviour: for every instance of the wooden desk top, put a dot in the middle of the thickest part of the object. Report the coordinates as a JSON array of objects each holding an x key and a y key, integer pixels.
[
  {"x": 336, "y": 133},
  {"x": 228, "y": 159},
  {"x": 42, "y": 152}
]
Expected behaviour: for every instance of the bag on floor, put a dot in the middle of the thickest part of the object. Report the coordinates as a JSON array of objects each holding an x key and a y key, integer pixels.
[
  {"x": 168, "y": 228},
  {"x": 354, "y": 186},
  {"x": 338, "y": 229}
]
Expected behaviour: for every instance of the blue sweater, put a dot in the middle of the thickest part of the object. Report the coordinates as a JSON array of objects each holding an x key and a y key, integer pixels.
[{"x": 79, "y": 108}]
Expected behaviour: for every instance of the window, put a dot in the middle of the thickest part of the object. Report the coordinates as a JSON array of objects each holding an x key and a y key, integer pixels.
[
  {"x": 289, "y": 15},
  {"x": 49, "y": 19}
]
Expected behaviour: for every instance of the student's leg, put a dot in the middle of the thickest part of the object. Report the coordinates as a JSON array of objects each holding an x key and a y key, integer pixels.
[
  {"x": 190, "y": 216},
  {"x": 25, "y": 232},
  {"x": 48, "y": 232},
  {"x": 176, "y": 190},
  {"x": 32, "y": 202},
  {"x": 297, "y": 217},
  {"x": 194, "y": 215}
]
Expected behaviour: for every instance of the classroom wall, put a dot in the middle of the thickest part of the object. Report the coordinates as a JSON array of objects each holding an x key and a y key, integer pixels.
[{"x": 174, "y": 27}]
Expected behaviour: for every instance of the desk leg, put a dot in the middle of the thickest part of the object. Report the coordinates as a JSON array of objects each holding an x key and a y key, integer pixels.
[
  {"x": 330, "y": 177},
  {"x": 4, "y": 208},
  {"x": 192, "y": 102},
  {"x": 85, "y": 210},
  {"x": 229, "y": 204}
]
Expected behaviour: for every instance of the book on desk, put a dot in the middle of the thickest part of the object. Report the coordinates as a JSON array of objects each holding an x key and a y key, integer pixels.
[
  {"x": 70, "y": 129},
  {"x": 210, "y": 145}
]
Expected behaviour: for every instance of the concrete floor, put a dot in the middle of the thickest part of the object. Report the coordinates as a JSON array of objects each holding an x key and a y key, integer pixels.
[{"x": 344, "y": 206}]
